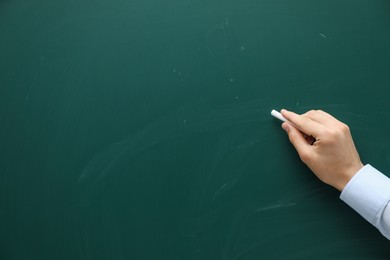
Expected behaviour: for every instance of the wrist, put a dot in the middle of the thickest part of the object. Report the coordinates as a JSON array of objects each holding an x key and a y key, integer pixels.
[{"x": 347, "y": 176}]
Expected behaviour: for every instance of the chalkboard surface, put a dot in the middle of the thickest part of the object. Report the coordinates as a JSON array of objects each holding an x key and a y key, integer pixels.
[{"x": 141, "y": 129}]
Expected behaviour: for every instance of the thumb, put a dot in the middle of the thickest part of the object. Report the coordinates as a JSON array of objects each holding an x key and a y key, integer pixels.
[{"x": 298, "y": 141}]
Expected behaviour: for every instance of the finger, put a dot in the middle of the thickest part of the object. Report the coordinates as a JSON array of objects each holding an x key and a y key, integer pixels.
[
  {"x": 317, "y": 116},
  {"x": 298, "y": 141},
  {"x": 305, "y": 124},
  {"x": 322, "y": 117}
]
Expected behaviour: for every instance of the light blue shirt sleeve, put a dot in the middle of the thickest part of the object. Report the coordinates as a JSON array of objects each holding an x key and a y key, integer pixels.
[{"x": 368, "y": 193}]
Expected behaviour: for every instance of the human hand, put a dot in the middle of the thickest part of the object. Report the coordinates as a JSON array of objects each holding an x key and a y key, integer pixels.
[{"x": 325, "y": 145}]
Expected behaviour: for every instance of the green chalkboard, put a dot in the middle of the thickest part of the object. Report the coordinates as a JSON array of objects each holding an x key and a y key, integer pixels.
[{"x": 140, "y": 129}]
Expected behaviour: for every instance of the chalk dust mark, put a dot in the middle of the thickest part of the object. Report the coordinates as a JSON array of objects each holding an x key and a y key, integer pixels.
[
  {"x": 107, "y": 164},
  {"x": 360, "y": 116},
  {"x": 323, "y": 106},
  {"x": 308, "y": 192},
  {"x": 225, "y": 160},
  {"x": 26, "y": 101},
  {"x": 220, "y": 190},
  {"x": 216, "y": 39},
  {"x": 221, "y": 38},
  {"x": 244, "y": 145},
  {"x": 275, "y": 206}
]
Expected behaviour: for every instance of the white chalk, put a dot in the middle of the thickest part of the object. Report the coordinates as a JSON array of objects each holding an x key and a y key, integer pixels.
[{"x": 278, "y": 115}]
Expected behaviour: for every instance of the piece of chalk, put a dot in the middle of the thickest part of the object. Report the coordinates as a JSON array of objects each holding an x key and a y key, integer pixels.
[{"x": 278, "y": 115}]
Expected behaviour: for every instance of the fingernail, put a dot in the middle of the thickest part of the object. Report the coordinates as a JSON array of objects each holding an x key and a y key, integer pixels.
[{"x": 285, "y": 127}]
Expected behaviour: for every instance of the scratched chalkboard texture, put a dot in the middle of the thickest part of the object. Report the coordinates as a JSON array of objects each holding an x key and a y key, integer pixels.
[{"x": 140, "y": 129}]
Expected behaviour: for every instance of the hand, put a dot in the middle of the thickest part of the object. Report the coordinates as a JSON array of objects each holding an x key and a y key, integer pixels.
[{"x": 325, "y": 145}]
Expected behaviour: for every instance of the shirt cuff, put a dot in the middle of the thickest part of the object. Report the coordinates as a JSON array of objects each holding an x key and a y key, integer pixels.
[{"x": 367, "y": 193}]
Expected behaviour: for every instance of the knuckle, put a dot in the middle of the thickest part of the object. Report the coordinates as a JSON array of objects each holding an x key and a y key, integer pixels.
[
  {"x": 331, "y": 132},
  {"x": 305, "y": 156},
  {"x": 344, "y": 128},
  {"x": 292, "y": 138},
  {"x": 310, "y": 112},
  {"x": 336, "y": 133},
  {"x": 331, "y": 136}
]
